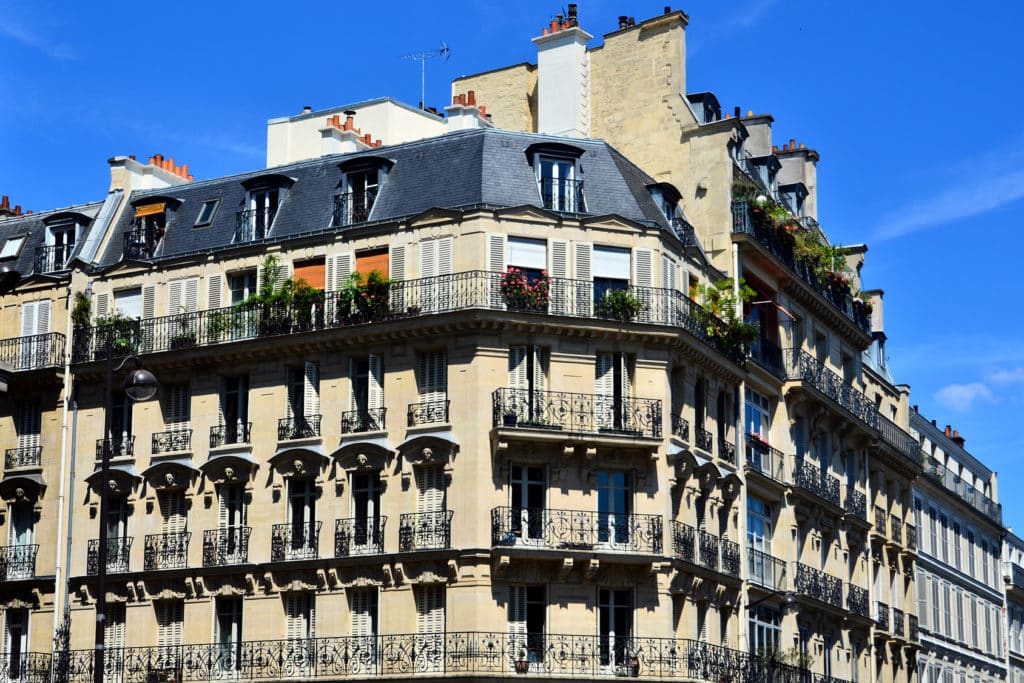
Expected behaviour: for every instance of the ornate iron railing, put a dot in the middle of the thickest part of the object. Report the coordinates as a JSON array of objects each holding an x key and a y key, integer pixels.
[
  {"x": 768, "y": 356},
  {"x": 684, "y": 544},
  {"x": 402, "y": 299},
  {"x": 705, "y": 549},
  {"x": 368, "y": 420},
  {"x": 118, "y": 553},
  {"x": 26, "y": 667},
  {"x": 881, "y": 521},
  {"x": 803, "y": 366},
  {"x": 747, "y": 219},
  {"x": 903, "y": 442},
  {"x": 120, "y": 447},
  {"x": 562, "y": 194},
  {"x": 576, "y": 530},
  {"x": 730, "y": 558},
  {"x": 141, "y": 241},
  {"x": 704, "y": 439},
  {"x": 764, "y": 459},
  {"x": 856, "y": 503},
  {"x": 359, "y": 536},
  {"x": 353, "y": 207},
  {"x": 857, "y": 600},
  {"x": 490, "y": 654},
  {"x": 295, "y": 541},
  {"x": 253, "y": 224},
  {"x": 966, "y": 492},
  {"x": 727, "y": 451},
  {"x": 684, "y": 231},
  {"x": 222, "y": 435},
  {"x": 33, "y": 352},
  {"x": 807, "y": 476},
  {"x": 226, "y": 546},
  {"x": 911, "y": 537},
  {"x": 166, "y": 551},
  {"x": 897, "y": 622},
  {"x": 766, "y": 570},
  {"x": 25, "y": 456},
  {"x": 577, "y": 413},
  {"x": 912, "y": 628},
  {"x": 18, "y": 562},
  {"x": 427, "y": 412},
  {"x": 680, "y": 427},
  {"x": 172, "y": 440},
  {"x": 425, "y": 531},
  {"x": 816, "y": 584},
  {"x": 53, "y": 258},
  {"x": 897, "y": 529},
  {"x": 882, "y": 615},
  {"x": 298, "y": 427}
]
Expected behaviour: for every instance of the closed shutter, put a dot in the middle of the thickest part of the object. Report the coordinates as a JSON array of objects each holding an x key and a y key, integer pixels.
[
  {"x": 148, "y": 313},
  {"x": 363, "y": 606},
  {"x": 174, "y": 298},
  {"x": 669, "y": 290},
  {"x": 436, "y": 262},
  {"x": 433, "y": 376},
  {"x": 444, "y": 269},
  {"x": 177, "y": 405},
  {"x": 517, "y": 368},
  {"x": 375, "y": 382},
  {"x": 643, "y": 281},
  {"x": 300, "y": 616},
  {"x": 214, "y": 292},
  {"x": 496, "y": 258},
  {"x": 35, "y": 320},
  {"x": 560, "y": 302},
  {"x": 583, "y": 253},
  {"x": 922, "y": 599},
  {"x": 604, "y": 388},
  {"x": 43, "y": 317},
  {"x": 428, "y": 276},
  {"x": 311, "y": 389},
  {"x": 172, "y": 512},
  {"x": 169, "y": 619},
  {"x": 28, "y": 416},
  {"x": 102, "y": 305},
  {"x": 430, "y": 488},
  {"x": 398, "y": 297},
  {"x": 430, "y": 609},
  {"x": 113, "y": 634}
]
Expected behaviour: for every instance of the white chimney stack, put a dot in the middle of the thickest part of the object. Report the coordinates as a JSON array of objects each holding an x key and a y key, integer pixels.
[{"x": 563, "y": 80}]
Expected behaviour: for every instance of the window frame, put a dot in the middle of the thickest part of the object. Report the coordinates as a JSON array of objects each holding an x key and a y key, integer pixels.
[
  {"x": 19, "y": 241},
  {"x": 214, "y": 205}
]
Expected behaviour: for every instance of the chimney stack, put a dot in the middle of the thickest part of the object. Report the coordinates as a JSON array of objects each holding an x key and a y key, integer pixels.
[{"x": 563, "y": 65}]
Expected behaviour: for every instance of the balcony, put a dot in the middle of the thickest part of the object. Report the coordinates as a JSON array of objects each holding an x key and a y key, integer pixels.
[
  {"x": 766, "y": 570},
  {"x": 897, "y": 622},
  {"x": 818, "y": 585},
  {"x": 577, "y": 413},
  {"x": 747, "y": 220},
  {"x": 27, "y": 667},
  {"x": 881, "y": 520},
  {"x": 913, "y": 633},
  {"x": 905, "y": 444},
  {"x": 727, "y": 451},
  {"x": 403, "y": 300},
  {"x": 808, "y": 477},
  {"x": 856, "y": 503},
  {"x": 857, "y": 600},
  {"x": 703, "y": 549},
  {"x": 768, "y": 356},
  {"x": 801, "y": 365},
  {"x": 425, "y": 531},
  {"x": 224, "y": 435},
  {"x": 680, "y": 427},
  {"x": 172, "y": 441},
  {"x": 882, "y": 616},
  {"x": 896, "y": 527},
  {"x": 53, "y": 258},
  {"x": 304, "y": 427},
  {"x": 166, "y": 551},
  {"x": 26, "y": 456},
  {"x": 359, "y": 536},
  {"x": 33, "y": 352},
  {"x": 911, "y": 544},
  {"x": 576, "y": 530},
  {"x": 295, "y": 541},
  {"x": 967, "y": 493},
  {"x": 118, "y": 552},
  {"x": 353, "y": 207},
  {"x": 684, "y": 231},
  {"x": 359, "y": 421},
  {"x": 427, "y": 412},
  {"x": 18, "y": 562},
  {"x": 496, "y": 654},
  {"x": 120, "y": 447},
  {"x": 704, "y": 439},
  {"x": 562, "y": 194},
  {"x": 764, "y": 459},
  {"x": 226, "y": 546},
  {"x": 141, "y": 241},
  {"x": 253, "y": 224}
]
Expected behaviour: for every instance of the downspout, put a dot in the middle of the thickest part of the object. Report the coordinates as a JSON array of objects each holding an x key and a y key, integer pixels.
[
  {"x": 741, "y": 446},
  {"x": 60, "y": 577}
]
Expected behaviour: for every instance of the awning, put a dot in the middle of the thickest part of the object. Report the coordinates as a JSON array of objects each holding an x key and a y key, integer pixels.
[{"x": 150, "y": 209}]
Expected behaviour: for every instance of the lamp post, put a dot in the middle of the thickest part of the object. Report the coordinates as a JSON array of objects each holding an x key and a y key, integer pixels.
[{"x": 139, "y": 385}]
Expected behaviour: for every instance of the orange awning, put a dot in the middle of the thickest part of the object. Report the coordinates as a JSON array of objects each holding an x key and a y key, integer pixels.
[{"x": 150, "y": 209}]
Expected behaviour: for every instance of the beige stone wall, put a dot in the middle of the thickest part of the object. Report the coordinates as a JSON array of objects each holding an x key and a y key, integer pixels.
[{"x": 510, "y": 95}]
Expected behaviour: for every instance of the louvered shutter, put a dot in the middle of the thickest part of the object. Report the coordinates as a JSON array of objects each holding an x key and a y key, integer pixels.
[
  {"x": 517, "y": 620},
  {"x": 668, "y": 290},
  {"x": 643, "y": 281},
  {"x": 172, "y": 512},
  {"x": 428, "y": 273},
  {"x": 42, "y": 317},
  {"x": 296, "y": 616},
  {"x": 626, "y": 364},
  {"x": 190, "y": 294},
  {"x": 375, "y": 382},
  {"x": 28, "y": 319},
  {"x": 102, "y": 305},
  {"x": 311, "y": 389},
  {"x": 496, "y": 258},
  {"x": 364, "y": 611},
  {"x": 148, "y": 313},
  {"x": 169, "y": 617},
  {"x": 224, "y": 510},
  {"x": 177, "y": 399},
  {"x": 433, "y": 376},
  {"x": 445, "y": 264},
  {"x": 396, "y": 269},
  {"x": 214, "y": 292},
  {"x": 430, "y": 489},
  {"x": 560, "y": 302},
  {"x": 174, "y": 297},
  {"x": 517, "y": 368},
  {"x": 430, "y": 610},
  {"x": 583, "y": 253},
  {"x": 29, "y": 418},
  {"x": 604, "y": 388},
  {"x": 113, "y": 635}
]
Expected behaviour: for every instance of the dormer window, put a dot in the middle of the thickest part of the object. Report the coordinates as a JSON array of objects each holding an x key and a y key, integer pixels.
[
  {"x": 142, "y": 240},
  {"x": 793, "y": 196},
  {"x": 558, "y": 171},
  {"x": 60, "y": 237},
  {"x": 358, "y": 190},
  {"x": 255, "y": 222}
]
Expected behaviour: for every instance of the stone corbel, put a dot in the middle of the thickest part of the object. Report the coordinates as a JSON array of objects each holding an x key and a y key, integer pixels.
[
  {"x": 590, "y": 452},
  {"x": 321, "y": 579},
  {"x": 406, "y": 479},
  {"x": 501, "y": 564},
  {"x": 500, "y": 448},
  {"x": 453, "y": 570},
  {"x": 268, "y": 582},
  {"x": 131, "y": 592},
  {"x": 399, "y": 572},
  {"x": 563, "y": 571},
  {"x": 252, "y": 584},
  {"x": 389, "y": 580},
  {"x": 333, "y": 579},
  {"x": 190, "y": 588},
  {"x": 591, "y": 571}
]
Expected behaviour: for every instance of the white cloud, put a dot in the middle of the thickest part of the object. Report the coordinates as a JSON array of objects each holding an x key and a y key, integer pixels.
[
  {"x": 961, "y": 397},
  {"x": 1011, "y": 376},
  {"x": 22, "y": 34}
]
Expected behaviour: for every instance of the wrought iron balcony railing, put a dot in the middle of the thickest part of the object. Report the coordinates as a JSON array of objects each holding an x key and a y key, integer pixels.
[
  {"x": 704, "y": 549},
  {"x": 53, "y": 258},
  {"x": 913, "y": 634},
  {"x": 483, "y": 654},
  {"x": 399, "y": 300},
  {"x": 816, "y": 584},
  {"x": 764, "y": 459},
  {"x": 226, "y": 546},
  {"x": 368, "y": 420},
  {"x": 562, "y": 194},
  {"x": 166, "y": 551},
  {"x": 253, "y": 224},
  {"x": 897, "y": 622},
  {"x": 27, "y": 667},
  {"x": 911, "y": 537},
  {"x": 803, "y": 366},
  {"x": 727, "y": 451},
  {"x": 882, "y": 616},
  {"x": 25, "y": 456},
  {"x": 856, "y": 503},
  {"x": 857, "y": 600},
  {"x": 18, "y": 562},
  {"x": 141, "y": 241},
  {"x": 298, "y": 427},
  {"x": 118, "y": 553},
  {"x": 425, "y": 531},
  {"x": 684, "y": 231},
  {"x": 223, "y": 435},
  {"x": 427, "y": 412},
  {"x": 902, "y": 441},
  {"x": 120, "y": 447},
  {"x": 576, "y": 530},
  {"x": 33, "y": 352},
  {"x": 353, "y": 207},
  {"x": 681, "y": 427},
  {"x": 966, "y": 492},
  {"x": 295, "y": 541},
  {"x": 881, "y": 520},
  {"x": 1014, "y": 573},
  {"x": 359, "y": 536},
  {"x": 746, "y": 219},
  {"x": 768, "y": 356},
  {"x": 766, "y": 570},
  {"x": 172, "y": 440},
  {"x": 897, "y": 529},
  {"x": 807, "y": 476},
  {"x": 577, "y": 413},
  {"x": 704, "y": 439}
]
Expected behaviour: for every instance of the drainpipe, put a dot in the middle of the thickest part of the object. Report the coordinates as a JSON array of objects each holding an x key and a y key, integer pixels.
[
  {"x": 872, "y": 598},
  {"x": 741, "y": 449}
]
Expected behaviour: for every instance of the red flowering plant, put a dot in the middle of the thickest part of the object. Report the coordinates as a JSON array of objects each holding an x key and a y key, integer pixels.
[
  {"x": 525, "y": 293},
  {"x": 757, "y": 441},
  {"x": 364, "y": 299}
]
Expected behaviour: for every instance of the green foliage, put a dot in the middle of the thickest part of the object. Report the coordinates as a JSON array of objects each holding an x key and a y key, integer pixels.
[
  {"x": 619, "y": 304},
  {"x": 81, "y": 310},
  {"x": 120, "y": 331},
  {"x": 284, "y": 304},
  {"x": 364, "y": 299},
  {"x": 721, "y": 314}
]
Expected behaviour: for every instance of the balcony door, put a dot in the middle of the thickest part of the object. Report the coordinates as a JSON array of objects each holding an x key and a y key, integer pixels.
[
  {"x": 430, "y": 625},
  {"x": 615, "y": 626},
  {"x": 613, "y": 380},
  {"x": 300, "y": 629},
  {"x": 528, "y": 491},
  {"x": 528, "y": 381},
  {"x": 234, "y": 409},
  {"x": 527, "y": 610},
  {"x": 614, "y": 506},
  {"x": 232, "y": 523},
  {"x": 16, "y": 642},
  {"x": 35, "y": 320},
  {"x": 28, "y": 415},
  {"x": 759, "y": 541},
  {"x": 363, "y": 610},
  {"x": 229, "y": 634},
  {"x": 366, "y": 531},
  {"x": 302, "y": 517}
]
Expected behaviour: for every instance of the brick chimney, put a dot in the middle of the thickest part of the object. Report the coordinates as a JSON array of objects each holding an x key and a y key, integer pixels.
[{"x": 563, "y": 78}]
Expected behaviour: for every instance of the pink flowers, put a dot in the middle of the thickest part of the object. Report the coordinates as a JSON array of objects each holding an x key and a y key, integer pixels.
[{"x": 524, "y": 293}]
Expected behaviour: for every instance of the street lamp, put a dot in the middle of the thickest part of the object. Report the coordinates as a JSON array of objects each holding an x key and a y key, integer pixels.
[{"x": 139, "y": 385}]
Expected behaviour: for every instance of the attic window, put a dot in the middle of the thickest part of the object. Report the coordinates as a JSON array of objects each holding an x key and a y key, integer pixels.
[
  {"x": 358, "y": 190},
  {"x": 560, "y": 187},
  {"x": 150, "y": 224},
  {"x": 207, "y": 212},
  {"x": 12, "y": 246}
]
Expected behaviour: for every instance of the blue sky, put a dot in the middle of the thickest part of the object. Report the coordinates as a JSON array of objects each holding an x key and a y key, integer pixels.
[{"x": 914, "y": 107}]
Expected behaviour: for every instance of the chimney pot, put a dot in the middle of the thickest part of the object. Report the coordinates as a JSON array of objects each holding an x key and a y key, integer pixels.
[
  {"x": 803, "y": 146},
  {"x": 132, "y": 157},
  {"x": 17, "y": 209},
  {"x": 471, "y": 98},
  {"x": 573, "y": 13},
  {"x": 483, "y": 110},
  {"x": 792, "y": 143},
  {"x": 28, "y": 212},
  {"x": 184, "y": 170},
  {"x": 668, "y": 10},
  {"x": 948, "y": 430},
  {"x": 623, "y": 22},
  {"x": 737, "y": 112},
  {"x": 750, "y": 113},
  {"x": 632, "y": 21},
  {"x": 775, "y": 149},
  {"x": 5, "y": 202},
  {"x": 307, "y": 109},
  {"x": 554, "y": 25}
]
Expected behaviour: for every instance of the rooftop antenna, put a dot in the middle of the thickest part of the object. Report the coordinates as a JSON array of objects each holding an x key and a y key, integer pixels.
[{"x": 422, "y": 58}]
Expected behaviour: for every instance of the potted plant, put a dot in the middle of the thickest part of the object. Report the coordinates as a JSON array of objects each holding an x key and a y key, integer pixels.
[
  {"x": 185, "y": 336},
  {"x": 509, "y": 418},
  {"x": 523, "y": 293},
  {"x": 619, "y": 304},
  {"x": 120, "y": 331},
  {"x": 522, "y": 663}
]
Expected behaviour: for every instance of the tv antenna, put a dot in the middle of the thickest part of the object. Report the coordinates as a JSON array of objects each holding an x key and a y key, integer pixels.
[{"x": 422, "y": 57}]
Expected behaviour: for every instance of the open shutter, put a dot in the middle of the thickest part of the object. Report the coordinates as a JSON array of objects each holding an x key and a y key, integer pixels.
[
  {"x": 311, "y": 389},
  {"x": 375, "y": 394},
  {"x": 497, "y": 247},
  {"x": 172, "y": 512},
  {"x": 397, "y": 274},
  {"x": 113, "y": 636},
  {"x": 42, "y": 317},
  {"x": 444, "y": 269},
  {"x": 517, "y": 367},
  {"x": 517, "y": 619},
  {"x": 669, "y": 289},
  {"x": 604, "y": 388},
  {"x": 643, "y": 281},
  {"x": 428, "y": 273},
  {"x": 102, "y": 305},
  {"x": 560, "y": 301},
  {"x": 583, "y": 253},
  {"x": 539, "y": 358},
  {"x": 149, "y": 302},
  {"x": 214, "y": 292}
]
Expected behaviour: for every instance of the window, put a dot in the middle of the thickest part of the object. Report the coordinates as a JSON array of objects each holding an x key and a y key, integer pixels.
[
  {"x": 35, "y": 347},
  {"x": 614, "y": 507},
  {"x": 233, "y": 419},
  {"x": 243, "y": 285},
  {"x": 12, "y": 246},
  {"x": 765, "y": 630},
  {"x": 367, "y": 528},
  {"x": 16, "y": 641},
  {"x": 113, "y": 635},
  {"x": 528, "y": 256},
  {"x": 527, "y": 492},
  {"x": 169, "y": 624},
  {"x": 128, "y": 302},
  {"x": 355, "y": 204},
  {"x": 142, "y": 241},
  {"x": 362, "y": 604},
  {"x": 60, "y": 244},
  {"x": 255, "y": 222},
  {"x": 559, "y": 188},
  {"x": 121, "y": 438},
  {"x": 183, "y": 297},
  {"x": 171, "y": 551},
  {"x": 613, "y": 388},
  {"x": 28, "y": 418},
  {"x": 367, "y": 400},
  {"x": 611, "y": 271},
  {"x": 303, "y": 526},
  {"x": 758, "y": 415},
  {"x": 206, "y": 212},
  {"x": 233, "y": 534},
  {"x": 759, "y": 542},
  {"x": 228, "y": 610},
  {"x": 527, "y": 609},
  {"x": 527, "y": 381},
  {"x": 432, "y": 377},
  {"x": 303, "y": 402},
  {"x": 300, "y": 628},
  {"x": 20, "y": 561},
  {"x": 176, "y": 404},
  {"x": 615, "y": 625}
]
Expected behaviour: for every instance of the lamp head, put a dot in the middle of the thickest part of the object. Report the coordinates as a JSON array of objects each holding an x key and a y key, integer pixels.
[{"x": 140, "y": 385}]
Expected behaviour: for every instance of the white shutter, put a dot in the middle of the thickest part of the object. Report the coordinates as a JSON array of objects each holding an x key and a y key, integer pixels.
[
  {"x": 224, "y": 509},
  {"x": 643, "y": 281},
  {"x": 517, "y": 368},
  {"x": 172, "y": 512},
  {"x": 517, "y": 618},
  {"x": 396, "y": 273},
  {"x": 626, "y": 362},
  {"x": 177, "y": 404},
  {"x": 430, "y": 609},
  {"x": 444, "y": 255},
  {"x": 29, "y": 417},
  {"x": 433, "y": 376},
  {"x": 42, "y": 317},
  {"x": 496, "y": 258},
  {"x": 375, "y": 382},
  {"x": 283, "y": 274},
  {"x": 604, "y": 388},
  {"x": 148, "y": 302},
  {"x": 174, "y": 298},
  {"x": 311, "y": 389},
  {"x": 353, "y": 399},
  {"x": 583, "y": 253},
  {"x": 169, "y": 617},
  {"x": 363, "y": 606},
  {"x": 191, "y": 295},
  {"x": 560, "y": 302},
  {"x": 430, "y": 488},
  {"x": 296, "y": 616},
  {"x": 113, "y": 635},
  {"x": 668, "y": 290},
  {"x": 214, "y": 291},
  {"x": 102, "y": 305},
  {"x": 539, "y": 357},
  {"x": 428, "y": 258},
  {"x": 28, "y": 319}
]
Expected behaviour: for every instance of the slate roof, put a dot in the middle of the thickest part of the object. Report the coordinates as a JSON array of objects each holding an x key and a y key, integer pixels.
[
  {"x": 33, "y": 226},
  {"x": 457, "y": 170}
]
